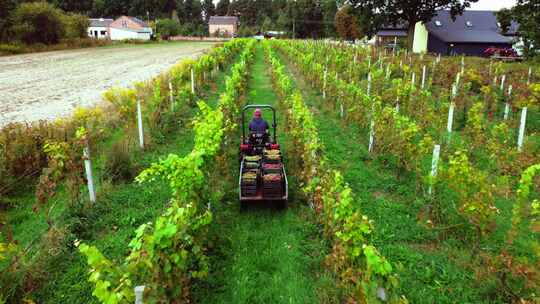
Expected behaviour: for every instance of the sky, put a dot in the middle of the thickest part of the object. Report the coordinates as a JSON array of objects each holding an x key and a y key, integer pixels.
[{"x": 492, "y": 5}]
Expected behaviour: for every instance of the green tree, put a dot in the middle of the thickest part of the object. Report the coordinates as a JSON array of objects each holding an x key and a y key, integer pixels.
[
  {"x": 208, "y": 9},
  {"x": 38, "y": 22},
  {"x": 167, "y": 28},
  {"x": 75, "y": 25},
  {"x": 222, "y": 8},
  {"x": 81, "y": 6},
  {"x": 346, "y": 24},
  {"x": 6, "y": 9},
  {"x": 329, "y": 13},
  {"x": 527, "y": 14},
  {"x": 267, "y": 24}
]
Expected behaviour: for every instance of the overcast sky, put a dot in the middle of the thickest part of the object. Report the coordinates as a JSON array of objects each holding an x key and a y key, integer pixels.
[{"x": 492, "y": 5}]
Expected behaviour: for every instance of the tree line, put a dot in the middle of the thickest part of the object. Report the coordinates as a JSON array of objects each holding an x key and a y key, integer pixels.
[{"x": 347, "y": 19}]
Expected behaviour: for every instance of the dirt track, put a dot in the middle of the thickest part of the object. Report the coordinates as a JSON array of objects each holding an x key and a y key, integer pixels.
[{"x": 50, "y": 85}]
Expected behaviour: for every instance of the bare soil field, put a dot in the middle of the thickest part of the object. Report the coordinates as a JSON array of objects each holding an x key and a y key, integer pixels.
[{"x": 50, "y": 85}]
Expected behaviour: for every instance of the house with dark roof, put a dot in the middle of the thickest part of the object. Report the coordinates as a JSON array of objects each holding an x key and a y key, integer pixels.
[
  {"x": 99, "y": 28},
  {"x": 223, "y": 26},
  {"x": 126, "y": 27},
  {"x": 470, "y": 34}
]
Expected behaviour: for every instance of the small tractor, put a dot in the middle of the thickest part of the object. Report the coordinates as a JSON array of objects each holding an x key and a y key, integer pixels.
[{"x": 262, "y": 172}]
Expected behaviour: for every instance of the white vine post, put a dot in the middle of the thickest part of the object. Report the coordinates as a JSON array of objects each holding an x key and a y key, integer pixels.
[
  {"x": 522, "y": 128},
  {"x": 394, "y": 47},
  {"x": 462, "y": 64},
  {"x": 413, "y": 80},
  {"x": 450, "y": 122},
  {"x": 423, "y": 77},
  {"x": 439, "y": 58},
  {"x": 171, "y": 95},
  {"x": 529, "y": 76},
  {"x": 495, "y": 81},
  {"x": 507, "y": 104},
  {"x": 371, "y": 135},
  {"x": 89, "y": 176},
  {"x": 139, "y": 292},
  {"x": 140, "y": 123},
  {"x": 341, "y": 110},
  {"x": 503, "y": 79},
  {"x": 450, "y": 119},
  {"x": 434, "y": 166},
  {"x": 368, "y": 92},
  {"x": 397, "y": 104},
  {"x": 192, "y": 82},
  {"x": 324, "y": 82}
]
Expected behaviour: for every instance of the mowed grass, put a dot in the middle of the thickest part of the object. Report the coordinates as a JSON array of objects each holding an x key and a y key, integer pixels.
[
  {"x": 433, "y": 266},
  {"x": 262, "y": 254},
  {"x": 108, "y": 225}
]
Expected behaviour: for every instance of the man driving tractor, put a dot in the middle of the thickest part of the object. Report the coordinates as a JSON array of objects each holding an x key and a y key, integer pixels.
[{"x": 258, "y": 127}]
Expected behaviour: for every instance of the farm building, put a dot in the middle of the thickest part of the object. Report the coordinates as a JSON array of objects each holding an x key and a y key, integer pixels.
[
  {"x": 470, "y": 34},
  {"x": 120, "y": 29},
  {"x": 223, "y": 26},
  {"x": 99, "y": 28},
  {"x": 127, "y": 27}
]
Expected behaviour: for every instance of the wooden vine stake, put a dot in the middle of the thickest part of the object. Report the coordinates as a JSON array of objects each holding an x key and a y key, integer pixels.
[
  {"x": 434, "y": 166},
  {"x": 192, "y": 82},
  {"x": 139, "y": 292},
  {"x": 140, "y": 123},
  {"x": 522, "y": 128},
  {"x": 423, "y": 77},
  {"x": 529, "y": 76},
  {"x": 394, "y": 47},
  {"x": 89, "y": 176}
]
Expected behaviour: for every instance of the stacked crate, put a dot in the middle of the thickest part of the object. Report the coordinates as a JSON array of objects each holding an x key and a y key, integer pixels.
[
  {"x": 272, "y": 174},
  {"x": 250, "y": 176}
]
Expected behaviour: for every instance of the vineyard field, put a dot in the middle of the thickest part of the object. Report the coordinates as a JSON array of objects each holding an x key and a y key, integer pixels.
[{"x": 412, "y": 179}]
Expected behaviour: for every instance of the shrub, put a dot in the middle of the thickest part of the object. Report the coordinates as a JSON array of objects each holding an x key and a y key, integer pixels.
[
  {"x": 168, "y": 27},
  {"x": 11, "y": 49},
  {"x": 75, "y": 26},
  {"x": 38, "y": 22}
]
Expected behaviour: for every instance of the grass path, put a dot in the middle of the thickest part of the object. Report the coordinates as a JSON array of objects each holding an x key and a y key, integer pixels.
[
  {"x": 264, "y": 255},
  {"x": 431, "y": 271}
]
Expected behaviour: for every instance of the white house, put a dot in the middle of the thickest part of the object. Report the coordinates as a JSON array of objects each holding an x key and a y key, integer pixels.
[
  {"x": 99, "y": 28},
  {"x": 127, "y": 27}
]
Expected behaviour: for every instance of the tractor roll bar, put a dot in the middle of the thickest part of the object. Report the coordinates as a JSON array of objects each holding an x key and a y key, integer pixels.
[{"x": 274, "y": 125}]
